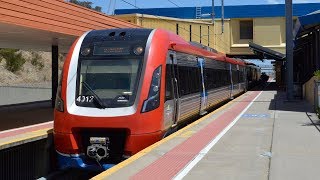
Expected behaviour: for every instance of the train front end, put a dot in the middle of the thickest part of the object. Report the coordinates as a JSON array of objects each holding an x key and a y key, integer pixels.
[{"x": 108, "y": 100}]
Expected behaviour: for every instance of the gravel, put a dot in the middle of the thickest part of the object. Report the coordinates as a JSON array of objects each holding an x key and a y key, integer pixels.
[{"x": 30, "y": 75}]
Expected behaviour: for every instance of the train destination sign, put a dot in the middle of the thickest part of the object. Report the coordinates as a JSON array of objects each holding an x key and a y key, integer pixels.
[{"x": 124, "y": 50}]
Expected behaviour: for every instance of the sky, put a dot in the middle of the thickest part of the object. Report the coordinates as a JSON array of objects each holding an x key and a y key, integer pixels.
[{"x": 107, "y": 5}]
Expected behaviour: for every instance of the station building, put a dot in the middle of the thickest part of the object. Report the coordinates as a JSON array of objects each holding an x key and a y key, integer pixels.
[
  {"x": 260, "y": 24},
  {"x": 248, "y": 32}
]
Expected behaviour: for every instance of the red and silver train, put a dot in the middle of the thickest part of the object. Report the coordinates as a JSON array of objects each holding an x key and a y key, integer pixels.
[{"x": 122, "y": 90}]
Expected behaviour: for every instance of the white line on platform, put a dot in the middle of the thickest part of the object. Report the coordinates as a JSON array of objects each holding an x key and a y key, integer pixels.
[
  {"x": 205, "y": 150},
  {"x": 25, "y": 127}
]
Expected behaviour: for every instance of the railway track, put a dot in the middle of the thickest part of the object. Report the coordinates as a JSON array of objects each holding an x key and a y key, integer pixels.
[{"x": 70, "y": 174}]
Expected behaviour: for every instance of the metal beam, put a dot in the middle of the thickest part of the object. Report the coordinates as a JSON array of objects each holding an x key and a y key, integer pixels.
[
  {"x": 289, "y": 50},
  {"x": 317, "y": 46},
  {"x": 54, "y": 73}
]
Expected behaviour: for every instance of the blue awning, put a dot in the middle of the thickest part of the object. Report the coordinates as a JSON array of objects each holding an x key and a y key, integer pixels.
[{"x": 306, "y": 22}]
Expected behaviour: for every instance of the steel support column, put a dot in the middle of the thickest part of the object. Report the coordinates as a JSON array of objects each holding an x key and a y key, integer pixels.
[
  {"x": 222, "y": 16},
  {"x": 317, "y": 47},
  {"x": 289, "y": 50},
  {"x": 54, "y": 71}
]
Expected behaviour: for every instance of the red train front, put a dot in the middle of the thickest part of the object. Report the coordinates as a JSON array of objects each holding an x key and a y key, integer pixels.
[{"x": 108, "y": 103}]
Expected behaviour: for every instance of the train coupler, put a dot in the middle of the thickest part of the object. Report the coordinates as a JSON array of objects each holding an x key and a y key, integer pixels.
[{"x": 99, "y": 148}]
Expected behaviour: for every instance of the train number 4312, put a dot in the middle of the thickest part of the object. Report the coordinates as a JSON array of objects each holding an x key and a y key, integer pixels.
[{"x": 85, "y": 99}]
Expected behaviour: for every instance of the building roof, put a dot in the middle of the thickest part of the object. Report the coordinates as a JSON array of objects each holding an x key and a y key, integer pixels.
[
  {"x": 39, "y": 24},
  {"x": 163, "y": 18},
  {"x": 306, "y": 23},
  {"x": 244, "y": 11}
]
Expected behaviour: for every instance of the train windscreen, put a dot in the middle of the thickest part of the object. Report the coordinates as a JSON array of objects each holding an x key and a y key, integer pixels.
[{"x": 108, "y": 83}]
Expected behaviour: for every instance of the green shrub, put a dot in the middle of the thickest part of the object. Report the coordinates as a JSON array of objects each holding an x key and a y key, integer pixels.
[
  {"x": 7, "y": 52},
  {"x": 317, "y": 74},
  {"x": 35, "y": 60},
  {"x": 318, "y": 112},
  {"x": 14, "y": 60}
]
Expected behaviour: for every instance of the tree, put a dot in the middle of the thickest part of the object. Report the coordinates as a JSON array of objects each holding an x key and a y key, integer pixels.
[
  {"x": 86, "y": 4},
  {"x": 98, "y": 8}
]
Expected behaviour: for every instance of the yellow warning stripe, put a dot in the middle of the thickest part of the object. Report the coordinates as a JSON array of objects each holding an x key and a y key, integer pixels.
[{"x": 25, "y": 137}]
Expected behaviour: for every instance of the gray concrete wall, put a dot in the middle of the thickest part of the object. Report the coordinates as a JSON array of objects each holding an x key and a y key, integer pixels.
[
  {"x": 16, "y": 95},
  {"x": 308, "y": 91}
]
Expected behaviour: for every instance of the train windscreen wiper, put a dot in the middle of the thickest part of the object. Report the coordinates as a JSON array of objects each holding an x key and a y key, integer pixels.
[{"x": 96, "y": 97}]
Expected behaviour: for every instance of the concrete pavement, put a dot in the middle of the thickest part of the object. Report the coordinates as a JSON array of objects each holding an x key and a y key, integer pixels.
[
  {"x": 273, "y": 139},
  {"x": 296, "y": 142}
]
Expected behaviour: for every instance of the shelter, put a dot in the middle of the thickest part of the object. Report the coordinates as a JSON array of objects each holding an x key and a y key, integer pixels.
[{"x": 307, "y": 52}]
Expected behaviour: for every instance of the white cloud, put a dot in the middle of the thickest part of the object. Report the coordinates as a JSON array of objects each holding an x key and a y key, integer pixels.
[
  {"x": 274, "y": 2},
  {"x": 294, "y": 1}
]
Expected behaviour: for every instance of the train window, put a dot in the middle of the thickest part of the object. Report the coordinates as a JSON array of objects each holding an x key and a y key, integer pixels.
[
  {"x": 220, "y": 81},
  {"x": 226, "y": 79},
  {"x": 211, "y": 77},
  {"x": 235, "y": 77},
  {"x": 217, "y": 74},
  {"x": 196, "y": 78},
  {"x": 221, "y": 76},
  {"x": 169, "y": 93},
  {"x": 241, "y": 75},
  {"x": 215, "y": 78},
  {"x": 183, "y": 80},
  {"x": 113, "y": 82},
  {"x": 189, "y": 75}
]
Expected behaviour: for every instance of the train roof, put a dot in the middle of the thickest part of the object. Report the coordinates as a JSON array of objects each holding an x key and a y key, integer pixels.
[
  {"x": 179, "y": 44},
  {"x": 118, "y": 34}
]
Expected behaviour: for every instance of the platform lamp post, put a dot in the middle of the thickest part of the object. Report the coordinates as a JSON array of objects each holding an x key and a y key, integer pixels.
[{"x": 289, "y": 50}]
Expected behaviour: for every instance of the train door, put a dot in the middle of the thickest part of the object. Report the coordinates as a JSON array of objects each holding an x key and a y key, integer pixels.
[
  {"x": 231, "y": 81},
  {"x": 245, "y": 78},
  {"x": 171, "y": 106},
  {"x": 239, "y": 79},
  {"x": 204, "y": 95}
]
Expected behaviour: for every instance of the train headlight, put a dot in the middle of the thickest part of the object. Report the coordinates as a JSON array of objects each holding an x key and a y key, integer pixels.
[
  {"x": 85, "y": 51},
  {"x": 138, "y": 50},
  {"x": 153, "y": 100}
]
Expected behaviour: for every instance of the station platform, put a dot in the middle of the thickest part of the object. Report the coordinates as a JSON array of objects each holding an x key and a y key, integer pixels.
[
  {"x": 258, "y": 135},
  {"x": 25, "y": 123}
]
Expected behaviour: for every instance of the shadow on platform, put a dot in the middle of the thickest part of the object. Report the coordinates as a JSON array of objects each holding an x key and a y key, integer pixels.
[
  {"x": 280, "y": 102},
  {"x": 25, "y": 115}
]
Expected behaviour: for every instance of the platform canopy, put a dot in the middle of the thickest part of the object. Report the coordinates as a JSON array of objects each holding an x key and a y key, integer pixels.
[
  {"x": 266, "y": 53},
  {"x": 306, "y": 24},
  {"x": 38, "y": 25}
]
